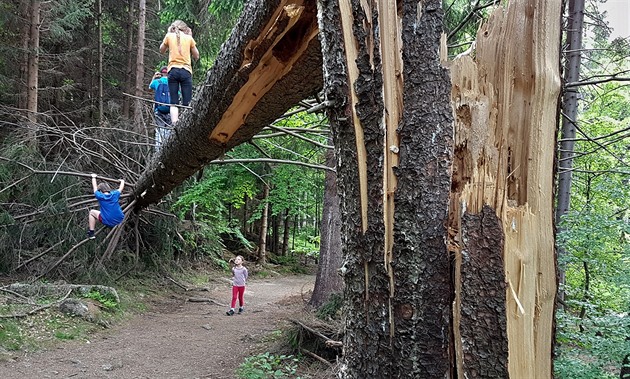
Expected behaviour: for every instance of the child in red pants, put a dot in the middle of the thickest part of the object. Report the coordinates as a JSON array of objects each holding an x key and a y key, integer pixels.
[{"x": 239, "y": 279}]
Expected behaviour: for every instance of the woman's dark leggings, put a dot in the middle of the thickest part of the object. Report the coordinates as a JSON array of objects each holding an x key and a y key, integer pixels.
[{"x": 179, "y": 77}]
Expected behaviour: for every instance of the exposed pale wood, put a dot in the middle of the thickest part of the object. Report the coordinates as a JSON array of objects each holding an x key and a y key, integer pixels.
[
  {"x": 271, "y": 68},
  {"x": 505, "y": 104},
  {"x": 390, "y": 46},
  {"x": 353, "y": 74}
]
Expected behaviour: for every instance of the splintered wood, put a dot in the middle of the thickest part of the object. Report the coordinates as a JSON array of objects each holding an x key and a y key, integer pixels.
[
  {"x": 267, "y": 60},
  {"x": 505, "y": 101}
]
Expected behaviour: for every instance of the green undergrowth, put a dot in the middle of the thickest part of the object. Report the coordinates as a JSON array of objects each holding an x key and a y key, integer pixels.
[{"x": 268, "y": 366}]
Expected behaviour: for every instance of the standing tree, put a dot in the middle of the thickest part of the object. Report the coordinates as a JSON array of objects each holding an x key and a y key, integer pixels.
[
  {"x": 139, "y": 79},
  {"x": 328, "y": 280},
  {"x": 99, "y": 74},
  {"x": 566, "y": 154},
  {"x": 33, "y": 67}
]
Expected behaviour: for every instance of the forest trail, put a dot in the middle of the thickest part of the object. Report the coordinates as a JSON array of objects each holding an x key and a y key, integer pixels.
[{"x": 175, "y": 338}]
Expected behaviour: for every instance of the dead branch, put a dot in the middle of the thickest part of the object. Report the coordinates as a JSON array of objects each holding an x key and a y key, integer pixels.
[
  {"x": 317, "y": 333},
  {"x": 66, "y": 255},
  {"x": 280, "y": 161},
  {"x": 55, "y": 173},
  {"x": 156, "y": 102},
  {"x": 39, "y": 255},
  {"x": 205, "y": 300},
  {"x": 296, "y": 135},
  {"x": 20, "y": 315},
  {"x": 28, "y": 301},
  {"x": 177, "y": 283},
  {"x": 313, "y": 355},
  {"x": 116, "y": 233}
]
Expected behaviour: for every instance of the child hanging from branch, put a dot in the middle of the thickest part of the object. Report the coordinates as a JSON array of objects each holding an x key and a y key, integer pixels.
[{"x": 110, "y": 213}]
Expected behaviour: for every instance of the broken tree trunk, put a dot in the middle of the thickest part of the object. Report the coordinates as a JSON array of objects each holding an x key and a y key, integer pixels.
[
  {"x": 392, "y": 127},
  {"x": 271, "y": 61},
  {"x": 501, "y": 212},
  {"x": 422, "y": 301}
]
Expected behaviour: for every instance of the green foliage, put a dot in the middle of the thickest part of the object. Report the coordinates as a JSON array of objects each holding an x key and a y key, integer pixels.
[
  {"x": 107, "y": 300},
  {"x": 291, "y": 264},
  {"x": 594, "y": 237},
  {"x": 223, "y": 8},
  {"x": 204, "y": 198},
  {"x": 202, "y": 240},
  {"x": 590, "y": 348},
  {"x": 67, "y": 16},
  {"x": 268, "y": 366},
  {"x": 211, "y": 23}
]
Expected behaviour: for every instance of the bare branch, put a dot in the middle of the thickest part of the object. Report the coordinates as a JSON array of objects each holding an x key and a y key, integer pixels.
[{"x": 279, "y": 161}]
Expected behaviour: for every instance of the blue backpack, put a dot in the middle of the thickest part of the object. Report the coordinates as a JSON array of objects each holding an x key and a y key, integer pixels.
[{"x": 162, "y": 95}]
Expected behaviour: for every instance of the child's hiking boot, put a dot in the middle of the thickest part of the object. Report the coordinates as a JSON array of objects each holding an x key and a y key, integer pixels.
[
  {"x": 90, "y": 234},
  {"x": 230, "y": 312},
  {"x": 241, "y": 310}
]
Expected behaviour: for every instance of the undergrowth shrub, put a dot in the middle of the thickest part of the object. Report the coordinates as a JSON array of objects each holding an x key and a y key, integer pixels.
[{"x": 268, "y": 366}]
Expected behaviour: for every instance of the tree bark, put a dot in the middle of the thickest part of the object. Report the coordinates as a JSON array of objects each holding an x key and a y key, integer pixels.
[
  {"x": 271, "y": 61},
  {"x": 392, "y": 129},
  {"x": 139, "y": 79},
  {"x": 275, "y": 233},
  {"x": 328, "y": 281}
]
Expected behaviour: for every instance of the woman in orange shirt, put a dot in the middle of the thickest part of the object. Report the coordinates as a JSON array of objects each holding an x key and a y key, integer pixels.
[{"x": 181, "y": 46}]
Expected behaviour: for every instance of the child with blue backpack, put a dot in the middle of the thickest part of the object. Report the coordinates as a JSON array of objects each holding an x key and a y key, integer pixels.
[{"x": 161, "y": 111}]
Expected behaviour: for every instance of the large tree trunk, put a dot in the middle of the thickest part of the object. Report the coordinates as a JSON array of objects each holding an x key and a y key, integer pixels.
[
  {"x": 328, "y": 280},
  {"x": 410, "y": 312},
  {"x": 271, "y": 61},
  {"x": 501, "y": 212},
  {"x": 393, "y": 140}
]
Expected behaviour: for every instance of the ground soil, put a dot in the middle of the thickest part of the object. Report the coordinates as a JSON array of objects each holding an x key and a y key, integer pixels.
[{"x": 176, "y": 338}]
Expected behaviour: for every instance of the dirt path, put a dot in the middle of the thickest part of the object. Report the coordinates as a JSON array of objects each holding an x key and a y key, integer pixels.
[{"x": 175, "y": 338}]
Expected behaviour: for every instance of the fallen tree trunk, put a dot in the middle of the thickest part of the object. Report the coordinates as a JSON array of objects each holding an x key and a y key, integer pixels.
[{"x": 271, "y": 61}]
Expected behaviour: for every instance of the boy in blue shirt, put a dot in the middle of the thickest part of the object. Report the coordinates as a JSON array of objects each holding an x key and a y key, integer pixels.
[{"x": 111, "y": 213}]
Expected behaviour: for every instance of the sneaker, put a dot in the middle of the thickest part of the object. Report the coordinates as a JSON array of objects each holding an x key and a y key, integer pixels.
[
  {"x": 90, "y": 234},
  {"x": 230, "y": 312},
  {"x": 241, "y": 310}
]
